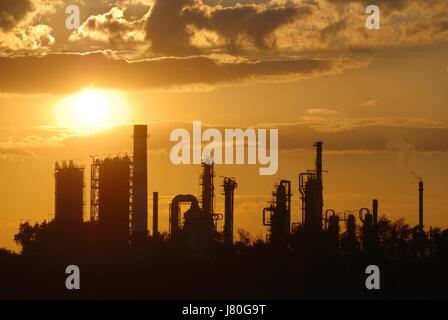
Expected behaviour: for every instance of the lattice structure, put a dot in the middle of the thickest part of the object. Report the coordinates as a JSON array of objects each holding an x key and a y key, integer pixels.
[{"x": 111, "y": 181}]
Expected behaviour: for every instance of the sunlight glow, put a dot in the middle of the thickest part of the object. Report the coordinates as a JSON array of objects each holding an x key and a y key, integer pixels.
[{"x": 92, "y": 110}]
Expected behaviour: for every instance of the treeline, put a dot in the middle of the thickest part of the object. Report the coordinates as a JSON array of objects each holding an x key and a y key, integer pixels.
[{"x": 158, "y": 268}]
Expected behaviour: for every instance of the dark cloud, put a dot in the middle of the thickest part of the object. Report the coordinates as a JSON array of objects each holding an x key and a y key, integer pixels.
[
  {"x": 374, "y": 137},
  {"x": 142, "y": 28},
  {"x": 167, "y": 24},
  {"x": 255, "y": 22},
  {"x": 368, "y": 138},
  {"x": 436, "y": 26},
  {"x": 389, "y": 4},
  {"x": 12, "y": 12},
  {"x": 59, "y": 73},
  {"x": 111, "y": 28},
  {"x": 441, "y": 26},
  {"x": 292, "y": 136},
  {"x": 165, "y": 28},
  {"x": 332, "y": 30}
]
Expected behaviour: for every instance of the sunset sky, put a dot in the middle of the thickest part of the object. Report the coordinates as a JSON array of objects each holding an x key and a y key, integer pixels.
[{"x": 311, "y": 68}]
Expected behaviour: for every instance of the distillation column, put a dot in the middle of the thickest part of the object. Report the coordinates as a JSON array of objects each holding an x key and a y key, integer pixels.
[
  {"x": 207, "y": 195},
  {"x": 229, "y": 190}
]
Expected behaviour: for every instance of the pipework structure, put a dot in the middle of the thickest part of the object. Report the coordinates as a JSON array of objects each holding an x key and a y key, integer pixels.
[
  {"x": 198, "y": 224},
  {"x": 332, "y": 227},
  {"x": 279, "y": 219},
  {"x": 369, "y": 227},
  {"x": 69, "y": 192},
  {"x": 311, "y": 191},
  {"x": 175, "y": 219},
  {"x": 349, "y": 242},
  {"x": 196, "y": 227},
  {"x": 229, "y": 186}
]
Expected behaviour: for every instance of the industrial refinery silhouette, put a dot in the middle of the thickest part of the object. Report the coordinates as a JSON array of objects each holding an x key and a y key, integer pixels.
[{"x": 322, "y": 256}]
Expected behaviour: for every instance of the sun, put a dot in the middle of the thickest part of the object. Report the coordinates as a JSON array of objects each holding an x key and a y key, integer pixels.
[
  {"x": 90, "y": 107},
  {"x": 92, "y": 110}
]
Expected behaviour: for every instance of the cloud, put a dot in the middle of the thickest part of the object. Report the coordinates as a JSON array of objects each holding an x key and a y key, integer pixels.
[
  {"x": 24, "y": 26},
  {"x": 29, "y": 38},
  {"x": 332, "y": 30},
  {"x": 361, "y": 135},
  {"x": 62, "y": 73},
  {"x": 426, "y": 30},
  {"x": 372, "y": 103},
  {"x": 322, "y": 112},
  {"x": 29, "y": 146},
  {"x": 257, "y": 23},
  {"x": 13, "y": 153},
  {"x": 256, "y": 28},
  {"x": 386, "y": 4},
  {"x": 364, "y": 134},
  {"x": 111, "y": 28},
  {"x": 357, "y": 135},
  {"x": 12, "y": 12},
  {"x": 339, "y": 25},
  {"x": 32, "y": 142},
  {"x": 168, "y": 22}
]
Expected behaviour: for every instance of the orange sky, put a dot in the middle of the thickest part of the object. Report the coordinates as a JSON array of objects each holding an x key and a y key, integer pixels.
[{"x": 377, "y": 98}]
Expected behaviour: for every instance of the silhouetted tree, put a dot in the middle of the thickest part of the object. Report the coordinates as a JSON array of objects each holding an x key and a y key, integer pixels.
[
  {"x": 26, "y": 237},
  {"x": 440, "y": 242},
  {"x": 394, "y": 238},
  {"x": 244, "y": 237}
]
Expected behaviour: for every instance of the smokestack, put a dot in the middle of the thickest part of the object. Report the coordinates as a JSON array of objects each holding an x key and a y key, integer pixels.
[
  {"x": 420, "y": 204},
  {"x": 319, "y": 192},
  {"x": 318, "y": 146},
  {"x": 140, "y": 195},
  {"x": 155, "y": 213}
]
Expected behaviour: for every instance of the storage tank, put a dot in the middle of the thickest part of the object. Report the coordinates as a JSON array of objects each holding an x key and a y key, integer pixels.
[{"x": 69, "y": 192}]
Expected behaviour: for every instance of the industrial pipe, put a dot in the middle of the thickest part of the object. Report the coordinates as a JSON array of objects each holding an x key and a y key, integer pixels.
[{"x": 174, "y": 214}]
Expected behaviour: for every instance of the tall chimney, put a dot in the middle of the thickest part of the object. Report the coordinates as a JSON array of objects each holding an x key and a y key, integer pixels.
[
  {"x": 420, "y": 204},
  {"x": 318, "y": 146},
  {"x": 155, "y": 213},
  {"x": 140, "y": 196},
  {"x": 319, "y": 192}
]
